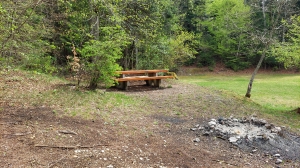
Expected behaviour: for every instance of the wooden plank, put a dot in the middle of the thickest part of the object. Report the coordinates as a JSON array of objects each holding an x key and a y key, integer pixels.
[
  {"x": 142, "y": 71},
  {"x": 135, "y": 78}
]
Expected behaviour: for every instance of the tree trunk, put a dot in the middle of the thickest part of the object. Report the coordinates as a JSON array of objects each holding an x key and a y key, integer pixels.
[
  {"x": 136, "y": 53},
  {"x": 248, "y": 93},
  {"x": 126, "y": 58},
  {"x": 264, "y": 14},
  {"x": 94, "y": 22}
]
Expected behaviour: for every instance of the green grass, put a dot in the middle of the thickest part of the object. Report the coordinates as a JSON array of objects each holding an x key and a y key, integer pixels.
[
  {"x": 277, "y": 94},
  {"x": 108, "y": 105},
  {"x": 31, "y": 89}
]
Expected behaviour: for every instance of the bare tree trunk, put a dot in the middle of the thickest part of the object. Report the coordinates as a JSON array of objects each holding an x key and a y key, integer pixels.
[
  {"x": 126, "y": 58},
  {"x": 263, "y": 10},
  {"x": 238, "y": 51},
  {"x": 248, "y": 93},
  {"x": 94, "y": 22},
  {"x": 266, "y": 37},
  {"x": 136, "y": 53}
]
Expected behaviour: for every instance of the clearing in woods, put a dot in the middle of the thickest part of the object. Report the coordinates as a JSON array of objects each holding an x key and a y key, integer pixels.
[{"x": 46, "y": 122}]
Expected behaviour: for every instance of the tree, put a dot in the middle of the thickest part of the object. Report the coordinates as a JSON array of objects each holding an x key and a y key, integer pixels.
[
  {"x": 19, "y": 40},
  {"x": 288, "y": 51},
  {"x": 267, "y": 35},
  {"x": 100, "y": 56},
  {"x": 228, "y": 23}
]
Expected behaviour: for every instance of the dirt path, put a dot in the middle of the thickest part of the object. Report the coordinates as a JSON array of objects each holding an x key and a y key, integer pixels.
[{"x": 37, "y": 137}]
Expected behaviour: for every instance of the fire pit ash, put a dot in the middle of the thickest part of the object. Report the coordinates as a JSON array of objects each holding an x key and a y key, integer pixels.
[{"x": 253, "y": 133}]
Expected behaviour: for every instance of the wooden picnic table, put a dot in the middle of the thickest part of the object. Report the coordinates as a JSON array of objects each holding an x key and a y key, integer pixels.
[{"x": 150, "y": 76}]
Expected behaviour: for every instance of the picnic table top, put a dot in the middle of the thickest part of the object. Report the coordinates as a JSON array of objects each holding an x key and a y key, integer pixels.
[
  {"x": 142, "y": 71},
  {"x": 135, "y": 78}
]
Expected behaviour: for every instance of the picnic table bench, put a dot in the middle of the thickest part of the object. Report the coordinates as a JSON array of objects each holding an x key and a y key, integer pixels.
[{"x": 150, "y": 76}]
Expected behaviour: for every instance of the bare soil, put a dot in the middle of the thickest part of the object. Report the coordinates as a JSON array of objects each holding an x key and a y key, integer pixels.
[{"x": 34, "y": 136}]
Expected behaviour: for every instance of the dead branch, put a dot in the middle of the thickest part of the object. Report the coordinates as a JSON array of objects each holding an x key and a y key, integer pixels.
[
  {"x": 67, "y": 132},
  {"x": 69, "y": 147}
]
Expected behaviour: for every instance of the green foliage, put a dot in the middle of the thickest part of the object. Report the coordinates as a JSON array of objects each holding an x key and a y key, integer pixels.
[
  {"x": 155, "y": 34},
  {"x": 289, "y": 52},
  {"x": 228, "y": 22},
  {"x": 167, "y": 53},
  {"x": 180, "y": 49},
  {"x": 206, "y": 59},
  {"x": 40, "y": 64},
  {"x": 236, "y": 64},
  {"x": 100, "y": 57},
  {"x": 20, "y": 42}
]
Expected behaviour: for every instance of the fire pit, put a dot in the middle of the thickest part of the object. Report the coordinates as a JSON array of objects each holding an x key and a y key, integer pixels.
[{"x": 254, "y": 134}]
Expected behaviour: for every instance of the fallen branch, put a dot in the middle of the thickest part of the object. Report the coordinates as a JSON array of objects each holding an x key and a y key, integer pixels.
[
  {"x": 67, "y": 132},
  {"x": 69, "y": 147}
]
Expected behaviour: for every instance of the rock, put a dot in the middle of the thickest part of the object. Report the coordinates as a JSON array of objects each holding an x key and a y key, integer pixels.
[
  {"x": 277, "y": 155},
  {"x": 276, "y": 130},
  {"x": 258, "y": 122},
  {"x": 278, "y": 161},
  {"x": 196, "y": 140},
  {"x": 220, "y": 119},
  {"x": 263, "y": 137},
  {"x": 233, "y": 139},
  {"x": 110, "y": 166},
  {"x": 261, "y": 122},
  {"x": 193, "y": 129},
  {"x": 212, "y": 123},
  {"x": 201, "y": 128},
  {"x": 207, "y": 133},
  {"x": 235, "y": 120},
  {"x": 244, "y": 121},
  {"x": 268, "y": 126},
  {"x": 212, "y": 126},
  {"x": 254, "y": 150},
  {"x": 213, "y": 120}
]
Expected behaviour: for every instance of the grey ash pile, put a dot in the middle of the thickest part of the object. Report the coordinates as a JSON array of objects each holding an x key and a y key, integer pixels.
[{"x": 254, "y": 134}]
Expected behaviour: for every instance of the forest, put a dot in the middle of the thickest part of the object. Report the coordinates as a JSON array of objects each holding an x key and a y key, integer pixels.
[{"x": 94, "y": 38}]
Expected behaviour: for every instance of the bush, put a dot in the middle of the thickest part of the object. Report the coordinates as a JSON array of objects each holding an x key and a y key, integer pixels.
[
  {"x": 103, "y": 65},
  {"x": 237, "y": 64},
  {"x": 206, "y": 59},
  {"x": 40, "y": 64}
]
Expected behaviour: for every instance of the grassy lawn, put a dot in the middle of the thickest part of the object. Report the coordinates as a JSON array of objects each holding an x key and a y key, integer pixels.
[{"x": 275, "y": 93}]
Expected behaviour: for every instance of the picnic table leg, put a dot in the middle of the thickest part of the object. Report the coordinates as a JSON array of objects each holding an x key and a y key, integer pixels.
[
  {"x": 157, "y": 82},
  {"x": 123, "y": 85},
  {"x": 150, "y": 82}
]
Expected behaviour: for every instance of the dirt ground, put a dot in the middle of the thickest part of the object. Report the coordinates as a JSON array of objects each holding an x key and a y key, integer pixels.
[{"x": 37, "y": 137}]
